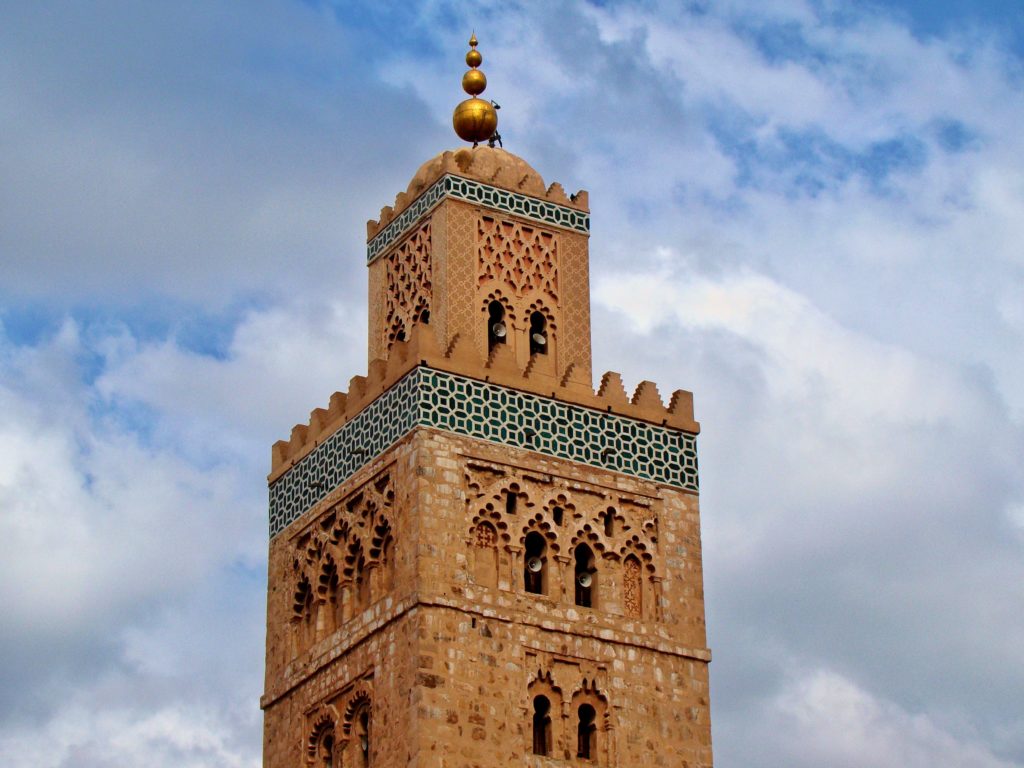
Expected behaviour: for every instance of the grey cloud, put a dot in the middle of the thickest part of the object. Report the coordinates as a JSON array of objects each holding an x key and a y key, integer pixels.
[
  {"x": 192, "y": 151},
  {"x": 861, "y": 564}
]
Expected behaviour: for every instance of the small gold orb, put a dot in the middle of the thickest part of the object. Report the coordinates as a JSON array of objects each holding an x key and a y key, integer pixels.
[
  {"x": 474, "y": 120},
  {"x": 474, "y": 82},
  {"x": 474, "y": 59}
]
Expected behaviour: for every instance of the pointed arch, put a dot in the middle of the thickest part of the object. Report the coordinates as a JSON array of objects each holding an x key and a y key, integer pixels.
[
  {"x": 585, "y": 576},
  {"x": 357, "y": 726},
  {"x": 302, "y": 621},
  {"x": 321, "y": 746},
  {"x": 544, "y": 710},
  {"x": 539, "y": 541},
  {"x": 589, "y": 713},
  {"x": 328, "y": 594},
  {"x": 357, "y": 575},
  {"x": 539, "y": 316},
  {"x": 381, "y": 556}
]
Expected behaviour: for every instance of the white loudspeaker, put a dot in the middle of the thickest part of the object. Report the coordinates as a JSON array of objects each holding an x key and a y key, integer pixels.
[
  {"x": 585, "y": 579},
  {"x": 539, "y": 339},
  {"x": 498, "y": 329},
  {"x": 534, "y": 564}
]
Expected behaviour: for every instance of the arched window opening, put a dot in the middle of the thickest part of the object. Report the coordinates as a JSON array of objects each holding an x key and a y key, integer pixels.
[
  {"x": 632, "y": 588},
  {"x": 558, "y": 514},
  {"x": 388, "y": 556},
  {"x": 362, "y": 584},
  {"x": 538, "y": 334},
  {"x": 586, "y": 732},
  {"x": 586, "y": 577},
  {"x": 303, "y": 616},
  {"x": 321, "y": 745},
  {"x": 362, "y": 723},
  {"x": 535, "y": 564},
  {"x": 609, "y": 522},
  {"x": 496, "y": 328},
  {"x": 326, "y": 752},
  {"x": 327, "y": 621},
  {"x": 541, "y": 725},
  {"x": 510, "y": 502}
]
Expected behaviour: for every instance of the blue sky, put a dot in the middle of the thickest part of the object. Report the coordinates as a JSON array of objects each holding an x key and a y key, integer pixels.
[{"x": 808, "y": 213}]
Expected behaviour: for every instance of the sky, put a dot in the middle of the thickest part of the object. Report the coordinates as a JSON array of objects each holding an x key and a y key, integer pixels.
[{"x": 808, "y": 212}]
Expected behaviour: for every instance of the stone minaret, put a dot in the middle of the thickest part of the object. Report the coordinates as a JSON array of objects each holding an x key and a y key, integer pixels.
[{"x": 475, "y": 558}]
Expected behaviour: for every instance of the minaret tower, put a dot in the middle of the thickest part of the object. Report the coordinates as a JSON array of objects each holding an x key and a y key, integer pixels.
[{"x": 476, "y": 559}]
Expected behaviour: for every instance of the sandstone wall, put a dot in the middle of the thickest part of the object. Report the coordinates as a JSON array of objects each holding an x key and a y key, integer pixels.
[{"x": 418, "y": 602}]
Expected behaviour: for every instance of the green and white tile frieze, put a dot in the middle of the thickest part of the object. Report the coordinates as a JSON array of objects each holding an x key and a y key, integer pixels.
[
  {"x": 471, "y": 191},
  {"x": 464, "y": 406}
]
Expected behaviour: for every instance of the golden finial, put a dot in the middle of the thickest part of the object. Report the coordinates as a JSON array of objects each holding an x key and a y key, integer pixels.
[{"x": 474, "y": 119}]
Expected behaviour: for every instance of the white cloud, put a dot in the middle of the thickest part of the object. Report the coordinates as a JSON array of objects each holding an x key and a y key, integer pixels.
[
  {"x": 805, "y": 351},
  {"x": 822, "y": 718},
  {"x": 171, "y": 735},
  {"x": 280, "y": 364},
  {"x": 95, "y": 521}
]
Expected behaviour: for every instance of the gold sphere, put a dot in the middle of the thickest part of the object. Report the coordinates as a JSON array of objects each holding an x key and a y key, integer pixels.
[
  {"x": 475, "y": 120},
  {"x": 474, "y": 59},
  {"x": 474, "y": 82}
]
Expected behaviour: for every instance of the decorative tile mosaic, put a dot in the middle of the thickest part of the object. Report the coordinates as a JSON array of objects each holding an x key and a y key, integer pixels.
[
  {"x": 368, "y": 435},
  {"x": 482, "y": 194},
  {"x": 426, "y": 397}
]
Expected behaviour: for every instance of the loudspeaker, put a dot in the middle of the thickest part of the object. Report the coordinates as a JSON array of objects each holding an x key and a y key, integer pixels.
[{"x": 534, "y": 564}]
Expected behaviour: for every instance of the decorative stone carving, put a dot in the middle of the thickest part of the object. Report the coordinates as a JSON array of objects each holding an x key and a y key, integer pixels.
[
  {"x": 409, "y": 286},
  {"x": 519, "y": 257}
]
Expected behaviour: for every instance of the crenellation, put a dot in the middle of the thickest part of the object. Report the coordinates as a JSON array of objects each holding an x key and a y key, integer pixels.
[
  {"x": 612, "y": 391},
  {"x": 646, "y": 396},
  {"x": 489, "y": 165},
  {"x": 500, "y": 367}
]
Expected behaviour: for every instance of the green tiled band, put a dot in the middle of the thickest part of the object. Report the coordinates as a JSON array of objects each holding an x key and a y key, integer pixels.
[
  {"x": 464, "y": 406},
  {"x": 448, "y": 185}
]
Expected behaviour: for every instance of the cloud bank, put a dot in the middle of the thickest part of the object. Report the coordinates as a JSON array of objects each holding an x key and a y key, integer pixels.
[{"x": 808, "y": 213}]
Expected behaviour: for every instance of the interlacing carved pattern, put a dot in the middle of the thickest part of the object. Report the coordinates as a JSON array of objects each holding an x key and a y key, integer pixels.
[
  {"x": 409, "y": 286},
  {"x": 474, "y": 192},
  {"x": 518, "y": 256},
  {"x": 631, "y": 588},
  {"x": 343, "y": 562},
  {"x": 576, "y": 325},
  {"x": 439, "y": 270},
  {"x": 505, "y": 505},
  {"x": 376, "y": 310},
  {"x": 461, "y": 252}
]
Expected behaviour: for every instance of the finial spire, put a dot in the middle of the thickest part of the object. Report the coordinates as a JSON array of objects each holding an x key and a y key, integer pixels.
[{"x": 474, "y": 119}]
